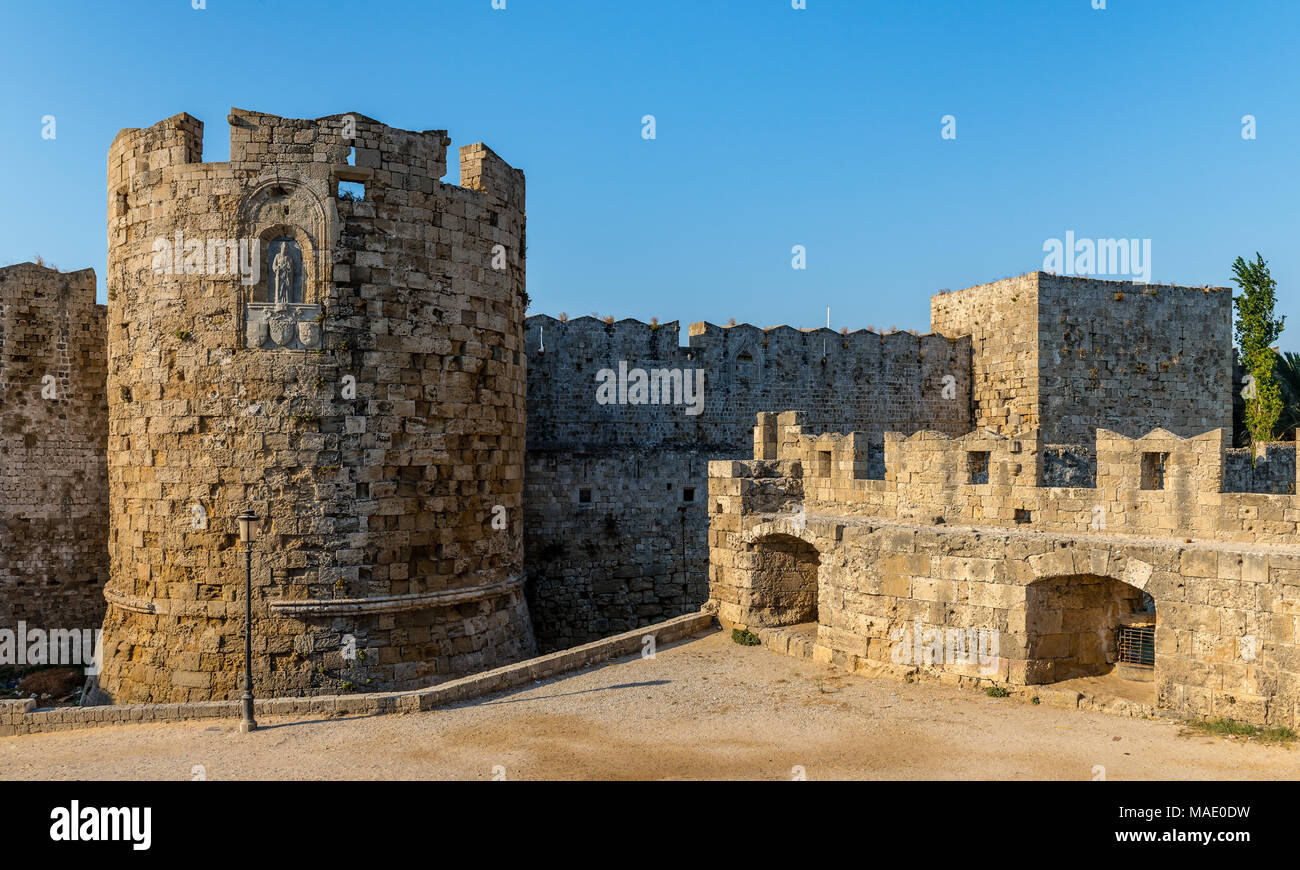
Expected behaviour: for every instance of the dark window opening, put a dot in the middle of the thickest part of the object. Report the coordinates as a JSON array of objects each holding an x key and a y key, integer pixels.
[
  {"x": 977, "y": 466},
  {"x": 688, "y": 493},
  {"x": 584, "y": 496},
  {"x": 745, "y": 368},
  {"x": 1023, "y": 516},
  {"x": 1153, "y": 470}
]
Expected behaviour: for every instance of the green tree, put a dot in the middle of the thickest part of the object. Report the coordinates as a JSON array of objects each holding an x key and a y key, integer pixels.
[
  {"x": 1256, "y": 330},
  {"x": 1287, "y": 371}
]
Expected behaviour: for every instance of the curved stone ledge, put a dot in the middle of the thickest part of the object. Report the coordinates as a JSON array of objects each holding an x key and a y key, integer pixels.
[
  {"x": 24, "y": 717},
  {"x": 321, "y": 606},
  {"x": 133, "y": 603},
  {"x": 166, "y": 606},
  {"x": 393, "y": 603}
]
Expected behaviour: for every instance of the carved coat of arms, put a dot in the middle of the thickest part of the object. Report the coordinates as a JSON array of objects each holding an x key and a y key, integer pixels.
[
  {"x": 256, "y": 333},
  {"x": 282, "y": 328},
  {"x": 309, "y": 333}
]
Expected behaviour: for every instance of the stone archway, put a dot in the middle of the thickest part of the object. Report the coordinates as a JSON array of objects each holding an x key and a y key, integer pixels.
[
  {"x": 783, "y": 581},
  {"x": 1073, "y": 625}
]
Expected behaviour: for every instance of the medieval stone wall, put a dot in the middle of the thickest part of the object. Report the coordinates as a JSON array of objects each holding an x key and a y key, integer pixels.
[
  {"x": 961, "y": 544},
  {"x": 361, "y": 389},
  {"x": 53, "y": 428},
  {"x": 613, "y": 540},
  {"x": 1001, "y": 320},
  {"x": 1069, "y": 465},
  {"x": 1273, "y": 470},
  {"x": 1132, "y": 357},
  {"x": 1158, "y": 484},
  {"x": 1067, "y": 355},
  {"x": 635, "y": 551}
]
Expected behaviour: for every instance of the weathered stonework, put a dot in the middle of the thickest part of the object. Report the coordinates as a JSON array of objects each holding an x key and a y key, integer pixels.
[
  {"x": 53, "y": 428},
  {"x": 1067, "y": 355},
  {"x": 353, "y": 369},
  {"x": 615, "y": 519},
  {"x": 358, "y": 380},
  {"x": 1051, "y": 572},
  {"x": 1270, "y": 469}
]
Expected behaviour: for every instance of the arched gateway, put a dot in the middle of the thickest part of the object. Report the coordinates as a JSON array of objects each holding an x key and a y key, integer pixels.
[{"x": 1082, "y": 625}]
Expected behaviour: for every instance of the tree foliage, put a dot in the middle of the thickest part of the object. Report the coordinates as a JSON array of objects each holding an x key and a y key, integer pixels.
[
  {"x": 1257, "y": 328},
  {"x": 1287, "y": 371}
]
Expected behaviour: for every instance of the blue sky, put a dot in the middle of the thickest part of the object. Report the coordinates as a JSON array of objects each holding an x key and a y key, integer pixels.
[{"x": 774, "y": 127}]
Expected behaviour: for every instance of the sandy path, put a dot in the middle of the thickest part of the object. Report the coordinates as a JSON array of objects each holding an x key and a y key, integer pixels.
[{"x": 704, "y": 709}]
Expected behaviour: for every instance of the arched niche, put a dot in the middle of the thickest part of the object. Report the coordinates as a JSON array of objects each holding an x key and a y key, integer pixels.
[
  {"x": 783, "y": 586},
  {"x": 289, "y": 224}
]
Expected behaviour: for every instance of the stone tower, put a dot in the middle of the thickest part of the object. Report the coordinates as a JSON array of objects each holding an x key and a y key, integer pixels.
[
  {"x": 1067, "y": 355},
  {"x": 324, "y": 331},
  {"x": 53, "y": 423}
]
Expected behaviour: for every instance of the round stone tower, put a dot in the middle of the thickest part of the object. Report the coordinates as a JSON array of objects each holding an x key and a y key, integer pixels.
[{"x": 323, "y": 331}]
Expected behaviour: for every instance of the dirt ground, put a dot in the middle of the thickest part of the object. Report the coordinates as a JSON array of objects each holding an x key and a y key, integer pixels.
[{"x": 703, "y": 709}]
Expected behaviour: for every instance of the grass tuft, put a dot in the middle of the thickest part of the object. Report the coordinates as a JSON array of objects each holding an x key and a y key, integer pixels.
[{"x": 1233, "y": 728}]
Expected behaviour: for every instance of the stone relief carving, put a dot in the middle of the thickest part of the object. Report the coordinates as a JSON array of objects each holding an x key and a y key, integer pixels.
[
  {"x": 285, "y": 272},
  {"x": 282, "y": 326},
  {"x": 284, "y": 322}
]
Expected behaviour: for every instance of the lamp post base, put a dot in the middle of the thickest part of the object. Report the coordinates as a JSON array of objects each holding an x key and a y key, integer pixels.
[{"x": 247, "y": 723}]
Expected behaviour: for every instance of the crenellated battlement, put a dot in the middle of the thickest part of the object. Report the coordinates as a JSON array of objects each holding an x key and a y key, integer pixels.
[
  {"x": 1158, "y": 485},
  {"x": 858, "y": 379},
  {"x": 590, "y": 330},
  {"x": 958, "y": 536},
  {"x": 641, "y": 467},
  {"x": 344, "y": 147}
]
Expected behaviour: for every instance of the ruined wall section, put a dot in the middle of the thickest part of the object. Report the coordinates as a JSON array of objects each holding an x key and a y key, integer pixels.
[
  {"x": 53, "y": 431},
  {"x": 615, "y": 520},
  {"x": 369, "y": 406}
]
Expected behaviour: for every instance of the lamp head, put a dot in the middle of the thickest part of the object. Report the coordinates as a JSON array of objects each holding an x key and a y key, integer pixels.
[{"x": 247, "y": 526}]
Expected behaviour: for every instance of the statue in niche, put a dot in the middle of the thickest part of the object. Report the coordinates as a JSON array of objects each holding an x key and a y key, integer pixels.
[
  {"x": 281, "y": 317},
  {"x": 285, "y": 273}
]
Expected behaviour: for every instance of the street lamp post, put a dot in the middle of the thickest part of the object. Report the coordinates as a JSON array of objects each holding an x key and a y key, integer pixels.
[{"x": 247, "y": 519}]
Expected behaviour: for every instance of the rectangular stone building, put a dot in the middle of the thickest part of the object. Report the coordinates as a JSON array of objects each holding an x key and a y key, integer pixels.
[{"x": 1067, "y": 355}]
